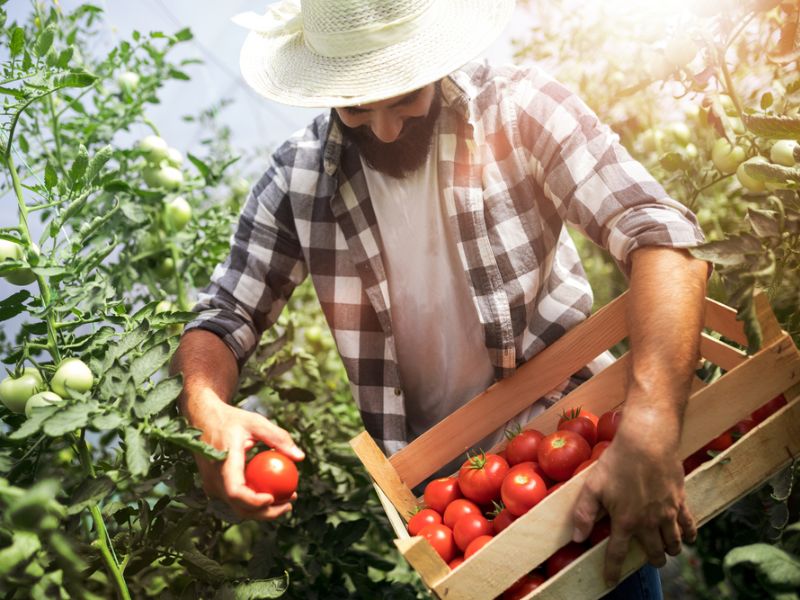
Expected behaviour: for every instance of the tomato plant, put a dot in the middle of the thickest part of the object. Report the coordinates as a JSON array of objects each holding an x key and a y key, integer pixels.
[{"x": 480, "y": 477}]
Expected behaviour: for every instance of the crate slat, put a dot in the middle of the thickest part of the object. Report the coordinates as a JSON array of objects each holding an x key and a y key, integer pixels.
[
  {"x": 720, "y": 353},
  {"x": 722, "y": 319},
  {"x": 421, "y": 555}
]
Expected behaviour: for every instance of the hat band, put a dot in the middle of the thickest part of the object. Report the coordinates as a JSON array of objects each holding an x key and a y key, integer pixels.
[{"x": 372, "y": 37}]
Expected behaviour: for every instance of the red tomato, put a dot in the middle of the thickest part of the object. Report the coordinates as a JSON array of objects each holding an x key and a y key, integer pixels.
[
  {"x": 562, "y": 557},
  {"x": 523, "y": 586},
  {"x": 459, "y": 508},
  {"x": 441, "y": 538},
  {"x": 455, "y": 562},
  {"x": 523, "y": 447},
  {"x": 599, "y": 448},
  {"x": 694, "y": 460},
  {"x": 273, "y": 473},
  {"x": 589, "y": 461},
  {"x": 470, "y": 527},
  {"x": 600, "y": 531},
  {"x": 581, "y": 422},
  {"x": 607, "y": 425},
  {"x": 743, "y": 427},
  {"x": 522, "y": 489},
  {"x": 561, "y": 452},
  {"x": 477, "y": 544},
  {"x": 555, "y": 487},
  {"x": 427, "y": 516},
  {"x": 770, "y": 408},
  {"x": 441, "y": 492},
  {"x": 722, "y": 442},
  {"x": 503, "y": 519},
  {"x": 480, "y": 477}
]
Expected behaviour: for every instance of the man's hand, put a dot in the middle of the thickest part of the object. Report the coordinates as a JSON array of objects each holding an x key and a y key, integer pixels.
[
  {"x": 639, "y": 481},
  {"x": 229, "y": 428}
]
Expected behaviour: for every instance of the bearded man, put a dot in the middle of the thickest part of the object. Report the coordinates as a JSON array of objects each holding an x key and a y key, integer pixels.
[{"x": 429, "y": 206}]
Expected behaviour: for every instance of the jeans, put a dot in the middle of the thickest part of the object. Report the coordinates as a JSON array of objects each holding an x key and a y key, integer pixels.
[{"x": 644, "y": 584}]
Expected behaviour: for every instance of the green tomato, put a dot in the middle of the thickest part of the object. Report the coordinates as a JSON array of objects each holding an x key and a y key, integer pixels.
[
  {"x": 748, "y": 182},
  {"x": 782, "y": 152},
  {"x": 240, "y": 187},
  {"x": 177, "y": 213},
  {"x": 154, "y": 148},
  {"x": 165, "y": 306},
  {"x": 726, "y": 157},
  {"x": 41, "y": 399},
  {"x": 680, "y": 132},
  {"x": 165, "y": 177},
  {"x": 727, "y": 105},
  {"x": 174, "y": 157},
  {"x": 165, "y": 268},
  {"x": 15, "y": 391},
  {"x": 652, "y": 140},
  {"x": 680, "y": 51},
  {"x": 12, "y": 251},
  {"x": 72, "y": 375},
  {"x": 691, "y": 150},
  {"x": 128, "y": 81}
]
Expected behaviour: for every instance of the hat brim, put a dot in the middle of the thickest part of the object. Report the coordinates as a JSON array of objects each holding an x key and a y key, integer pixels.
[{"x": 284, "y": 69}]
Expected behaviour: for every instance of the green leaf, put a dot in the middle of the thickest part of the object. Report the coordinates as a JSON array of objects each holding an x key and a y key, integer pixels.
[
  {"x": 349, "y": 532},
  {"x": 205, "y": 171},
  {"x": 108, "y": 421},
  {"x": 766, "y": 100},
  {"x": 74, "y": 416},
  {"x": 780, "y": 127},
  {"x": 33, "y": 424},
  {"x": 188, "y": 439},
  {"x": 184, "y": 35},
  {"x": 142, "y": 367},
  {"x": 50, "y": 176},
  {"x": 24, "y": 544},
  {"x": 256, "y": 589},
  {"x": 764, "y": 222},
  {"x": 98, "y": 161},
  {"x": 203, "y": 567},
  {"x": 17, "y": 41},
  {"x": 91, "y": 491},
  {"x": 44, "y": 41},
  {"x": 14, "y": 304},
  {"x": 772, "y": 173},
  {"x": 134, "y": 212},
  {"x": 161, "y": 396},
  {"x": 137, "y": 458},
  {"x": 76, "y": 79},
  {"x": 773, "y": 567},
  {"x": 79, "y": 165}
]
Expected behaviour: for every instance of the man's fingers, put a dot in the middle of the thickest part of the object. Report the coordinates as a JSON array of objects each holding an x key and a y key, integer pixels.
[
  {"x": 277, "y": 438},
  {"x": 687, "y": 524},
  {"x": 671, "y": 537},
  {"x": 616, "y": 551},
  {"x": 239, "y": 495},
  {"x": 265, "y": 514},
  {"x": 653, "y": 546},
  {"x": 585, "y": 513}
]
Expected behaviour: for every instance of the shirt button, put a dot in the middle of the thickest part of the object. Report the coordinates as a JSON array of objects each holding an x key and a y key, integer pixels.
[{"x": 397, "y": 391}]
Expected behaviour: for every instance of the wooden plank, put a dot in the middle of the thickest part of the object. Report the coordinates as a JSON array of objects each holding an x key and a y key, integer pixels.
[
  {"x": 395, "y": 520},
  {"x": 722, "y": 319},
  {"x": 421, "y": 555},
  {"x": 711, "y": 488},
  {"x": 492, "y": 408},
  {"x": 721, "y": 354},
  {"x": 770, "y": 328},
  {"x": 384, "y": 475},
  {"x": 711, "y": 411}
]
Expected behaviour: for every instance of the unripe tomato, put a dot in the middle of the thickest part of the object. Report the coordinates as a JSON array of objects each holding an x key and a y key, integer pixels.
[
  {"x": 726, "y": 157},
  {"x": 748, "y": 182},
  {"x": 128, "y": 81},
  {"x": 177, "y": 213},
  {"x": 72, "y": 375},
  {"x": 165, "y": 177},
  {"x": 174, "y": 157},
  {"x": 154, "y": 148},
  {"x": 680, "y": 132},
  {"x": 782, "y": 152},
  {"x": 680, "y": 51},
  {"x": 271, "y": 472},
  {"x": 41, "y": 399},
  {"x": 165, "y": 268},
  {"x": 12, "y": 251},
  {"x": 15, "y": 391}
]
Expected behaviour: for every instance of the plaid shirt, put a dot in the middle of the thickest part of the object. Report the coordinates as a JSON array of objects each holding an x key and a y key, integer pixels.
[{"x": 518, "y": 156}]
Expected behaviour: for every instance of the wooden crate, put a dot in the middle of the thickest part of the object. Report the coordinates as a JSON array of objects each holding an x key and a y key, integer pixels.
[{"x": 748, "y": 383}]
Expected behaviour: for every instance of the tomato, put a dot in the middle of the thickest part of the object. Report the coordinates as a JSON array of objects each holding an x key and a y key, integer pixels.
[
  {"x": 128, "y": 81},
  {"x": 743, "y": 427},
  {"x": 607, "y": 425},
  {"x": 72, "y": 375},
  {"x": 783, "y": 152},
  {"x": 562, "y": 557},
  {"x": 441, "y": 538},
  {"x": 578, "y": 422},
  {"x": 555, "y": 487},
  {"x": 694, "y": 460},
  {"x": 748, "y": 181},
  {"x": 455, "y": 562},
  {"x": 174, "y": 157},
  {"x": 15, "y": 391},
  {"x": 271, "y": 472},
  {"x": 573, "y": 413},
  {"x": 561, "y": 452},
  {"x": 480, "y": 477},
  {"x": 459, "y": 508},
  {"x": 41, "y": 399},
  {"x": 722, "y": 442},
  {"x": 770, "y": 408},
  {"x": 523, "y": 586},
  {"x": 726, "y": 157},
  {"x": 523, "y": 447},
  {"x": 469, "y": 527},
  {"x": 177, "y": 213},
  {"x": 477, "y": 544},
  {"x": 598, "y": 449},
  {"x": 13, "y": 251},
  {"x": 587, "y": 463},
  {"x": 503, "y": 519},
  {"x": 166, "y": 177},
  {"x": 680, "y": 51},
  {"x": 154, "y": 148},
  {"x": 441, "y": 492},
  {"x": 600, "y": 531},
  {"x": 427, "y": 516},
  {"x": 522, "y": 489}
]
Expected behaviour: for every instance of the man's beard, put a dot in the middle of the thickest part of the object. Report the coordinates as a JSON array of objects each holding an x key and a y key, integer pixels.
[{"x": 404, "y": 155}]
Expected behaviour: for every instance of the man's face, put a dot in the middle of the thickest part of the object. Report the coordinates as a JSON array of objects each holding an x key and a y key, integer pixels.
[{"x": 394, "y": 136}]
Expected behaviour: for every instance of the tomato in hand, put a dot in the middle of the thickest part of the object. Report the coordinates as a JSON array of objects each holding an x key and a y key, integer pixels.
[
  {"x": 562, "y": 557},
  {"x": 480, "y": 477},
  {"x": 523, "y": 586},
  {"x": 522, "y": 489},
  {"x": 470, "y": 527},
  {"x": 273, "y": 473},
  {"x": 460, "y": 507},
  {"x": 581, "y": 422},
  {"x": 608, "y": 424},
  {"x": 503, "y": 519},
  {"x": 441, "y": 492},
  {"x": 441, "y": 538},
  {"x": 427, "y": 516},
  {"x": 477, "y": 544},
  {"x": 523, "y": 447},
  {"x": 770, "y": 408},
  {"x": 561, "y": 452},
  {"x": 599, "y": 448}
]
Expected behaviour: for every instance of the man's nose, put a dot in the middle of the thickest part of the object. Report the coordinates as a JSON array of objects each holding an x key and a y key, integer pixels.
[{"x": 386, "y": 128}]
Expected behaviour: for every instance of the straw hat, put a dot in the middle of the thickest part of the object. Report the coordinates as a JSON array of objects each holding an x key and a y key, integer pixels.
[{"x": 328, "y": 53}]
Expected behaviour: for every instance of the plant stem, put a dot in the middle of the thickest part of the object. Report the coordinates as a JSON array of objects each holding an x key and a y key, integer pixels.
[{"x": 183, "y": 303}]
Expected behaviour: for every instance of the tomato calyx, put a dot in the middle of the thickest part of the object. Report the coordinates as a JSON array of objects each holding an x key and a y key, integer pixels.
[
  {"x": 476, "y": 461},
  {"x": 513, "y": 432},
  {"x": 572, "y": 413}
]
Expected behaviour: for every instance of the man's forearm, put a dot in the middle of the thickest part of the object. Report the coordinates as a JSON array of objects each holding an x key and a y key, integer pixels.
[
  {"x": 210, "y": 373},
  {"x": 665, "y": 317}
]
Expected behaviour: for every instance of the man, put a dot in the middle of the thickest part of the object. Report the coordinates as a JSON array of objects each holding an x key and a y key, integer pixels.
[{"x": 429, "y": 210}]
